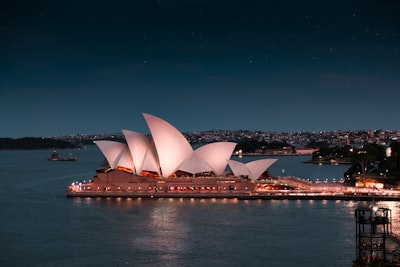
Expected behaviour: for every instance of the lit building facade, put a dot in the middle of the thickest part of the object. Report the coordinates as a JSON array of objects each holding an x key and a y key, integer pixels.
[{"x": 167, "y": 151}]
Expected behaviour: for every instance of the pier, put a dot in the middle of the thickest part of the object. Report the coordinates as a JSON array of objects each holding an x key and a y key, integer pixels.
[{"x": 375, "y": 243}]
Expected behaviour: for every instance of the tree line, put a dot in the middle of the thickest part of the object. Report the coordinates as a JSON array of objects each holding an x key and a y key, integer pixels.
[
  {"x": 35, "y": 143},
  {"x": 251, "y": 145},
  {"x": 371, "y": 159}
]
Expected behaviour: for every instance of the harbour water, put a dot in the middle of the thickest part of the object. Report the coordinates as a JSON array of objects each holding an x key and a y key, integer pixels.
[{"x": 39, "y": 226}]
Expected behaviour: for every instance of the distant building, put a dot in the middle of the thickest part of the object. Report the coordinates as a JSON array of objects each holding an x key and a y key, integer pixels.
[
  {"x": 287, "y": 150},
  {"x": 305, "y": 150}
]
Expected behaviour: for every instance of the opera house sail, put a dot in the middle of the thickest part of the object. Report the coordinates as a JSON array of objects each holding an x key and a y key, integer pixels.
[{"x": 164, "y": 161}]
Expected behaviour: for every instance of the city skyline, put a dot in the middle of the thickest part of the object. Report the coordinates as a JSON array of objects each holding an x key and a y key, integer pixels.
[{"x": 202, "y": 65}]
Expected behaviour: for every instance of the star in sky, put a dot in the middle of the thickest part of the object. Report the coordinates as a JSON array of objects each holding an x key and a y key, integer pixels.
[{"x": 281, "y": 66}]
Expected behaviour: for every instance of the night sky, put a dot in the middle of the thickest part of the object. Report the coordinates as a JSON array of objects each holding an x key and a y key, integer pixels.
[{"x": 69, "y": 67}]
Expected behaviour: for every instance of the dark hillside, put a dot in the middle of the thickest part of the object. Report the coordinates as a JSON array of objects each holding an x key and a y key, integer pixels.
[{"x": 34, "y": 143}]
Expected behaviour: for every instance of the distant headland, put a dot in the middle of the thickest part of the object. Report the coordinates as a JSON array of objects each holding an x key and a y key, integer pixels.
[{"x": 31, "y": 143}]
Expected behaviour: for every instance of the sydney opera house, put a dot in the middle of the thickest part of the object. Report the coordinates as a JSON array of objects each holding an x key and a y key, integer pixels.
[{"x": 164, "y": 163}]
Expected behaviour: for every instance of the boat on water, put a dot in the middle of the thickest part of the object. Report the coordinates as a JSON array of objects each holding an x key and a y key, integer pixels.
[{"x": 56, "y": 157}]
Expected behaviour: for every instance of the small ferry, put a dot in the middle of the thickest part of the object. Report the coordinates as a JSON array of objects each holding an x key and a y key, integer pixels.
[{"x": 56, "y": 157}]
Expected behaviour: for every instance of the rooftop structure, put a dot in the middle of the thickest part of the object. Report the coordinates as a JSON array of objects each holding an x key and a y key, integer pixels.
[
  {"x": 251, "y": 169},
  {"x": 167, "y": 151}
]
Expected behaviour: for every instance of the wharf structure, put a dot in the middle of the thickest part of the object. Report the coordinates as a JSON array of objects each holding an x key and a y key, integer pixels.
[{"x": 375, "y": 243}]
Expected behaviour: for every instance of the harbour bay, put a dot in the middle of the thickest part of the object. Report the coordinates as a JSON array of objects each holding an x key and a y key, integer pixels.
[{"x": 41, "y": 227}]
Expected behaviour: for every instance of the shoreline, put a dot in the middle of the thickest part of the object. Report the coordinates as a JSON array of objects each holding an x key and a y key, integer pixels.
[
  {"x": 121, "y": 184},
  {"x": 235, "y": 195},
  {"x": 328, "y": 162}
]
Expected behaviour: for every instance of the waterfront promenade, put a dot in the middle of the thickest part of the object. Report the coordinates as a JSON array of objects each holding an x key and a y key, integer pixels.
[
  {"x": 238, "y": 195},
  {"x": 314, "y": 191}
]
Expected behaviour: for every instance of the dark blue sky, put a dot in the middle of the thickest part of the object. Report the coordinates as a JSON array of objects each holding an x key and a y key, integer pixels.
[{"x": 70, "y": 67}]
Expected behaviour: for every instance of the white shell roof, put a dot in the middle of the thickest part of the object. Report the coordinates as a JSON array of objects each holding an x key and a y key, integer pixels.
[
  {"x": 116, "y": 153},
  {"x": 253, "y": 168},
  {"x": 239, "y": 168},
  {"x": 195, "y": 164},
  {"x": 125, "y": 160},
  {"x": 167, "y": 151},
  {"x": 171, "y": 146},
  {"x": 210, "y": 157},
  {"x": 257, "y": 167},
  {"x": 142, "y": 151},
  {"x": 216, "y": 155}
]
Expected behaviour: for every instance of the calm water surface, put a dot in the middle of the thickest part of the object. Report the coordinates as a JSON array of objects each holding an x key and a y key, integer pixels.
[{"x": 39, "y": 226}]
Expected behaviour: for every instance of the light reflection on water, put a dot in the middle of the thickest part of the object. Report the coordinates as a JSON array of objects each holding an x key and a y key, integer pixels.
[
  {"x": 177, "y": 231},
  {"x": 164, "y": 238},
  {"x": 41, "y": 227},
  {"x": 395, "y": 207}
]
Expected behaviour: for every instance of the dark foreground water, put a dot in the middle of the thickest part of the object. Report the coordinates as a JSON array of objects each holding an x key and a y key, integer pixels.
[{"x": 39, "y": 226}]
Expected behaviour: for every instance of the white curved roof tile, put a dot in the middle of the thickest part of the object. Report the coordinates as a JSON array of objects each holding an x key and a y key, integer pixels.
[
  {"x": 142, "y": 151},
  {"x": 257, "y": 167},
  {"x": 168, "y": 151},
  {"x": 216, "y": 155},
  {"x": 253, "y": 169},
  {"x": 171, "y": 146},
  {"x": 116, "y": 153},
  {"x": 125, "y": 159},
  {"x": 194, "y": 164},
  {"x": 238, "y": 168}
]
